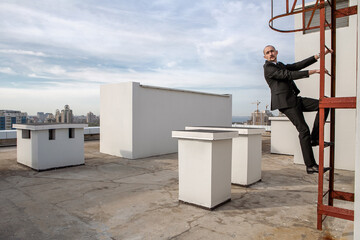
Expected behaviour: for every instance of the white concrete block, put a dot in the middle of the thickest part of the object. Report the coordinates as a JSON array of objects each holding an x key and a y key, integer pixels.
[
  {"x": 284, "y": 136},
  {"x": 204, "y": 167},
  {"x": 246, "y": 153},
  {"x": 41, "y": 153},
  {"x": 246, "y": 159}
]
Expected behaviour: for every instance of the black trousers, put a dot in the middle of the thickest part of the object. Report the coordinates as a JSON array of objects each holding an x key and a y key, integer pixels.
[{"x": 296, "y": 116}]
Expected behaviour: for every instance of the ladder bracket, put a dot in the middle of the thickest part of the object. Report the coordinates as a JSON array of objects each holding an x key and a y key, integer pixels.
[{"x": 346, "y": 11}]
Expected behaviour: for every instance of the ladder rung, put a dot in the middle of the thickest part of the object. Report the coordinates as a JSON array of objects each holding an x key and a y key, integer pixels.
[
  {"x": 338, "y": 102},
  {"x": 336, "y": 212},
  {"x": 343, "y": 196}
]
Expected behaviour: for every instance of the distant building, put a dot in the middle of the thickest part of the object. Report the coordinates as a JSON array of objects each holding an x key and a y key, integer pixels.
[
  {"x": 32, "y": 119},
  {"x": 10, "y": 117},
  {"x": 50, "y": 118},
  {"x": 79, "y": 119},
  {"x": 92, "y": 119},
  {"x": 261, "y": 118},
  {"x": 57, "y": 116},
  {"x": 41, "y": 116},
  {"x": 66, "y": 115}
]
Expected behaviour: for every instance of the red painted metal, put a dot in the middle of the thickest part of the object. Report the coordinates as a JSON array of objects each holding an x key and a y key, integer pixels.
[
  {"x": 321, "y": 115},
  {"x": 336, "y": 212},
  {"x": 338, "y": 102},
  {"x": 301, "y": 10},
  {"x": 343, "y": 196},
  {"x": 346, "y": 11},
  {"x": 312, "y": 14},
  {"x": 287, "y": 6},
  {"x": 294, "y": 5},
  {"x": 303, "y": 14},
  {"x": 338, "y": 13},
  {"x": 332, "y": 117}
]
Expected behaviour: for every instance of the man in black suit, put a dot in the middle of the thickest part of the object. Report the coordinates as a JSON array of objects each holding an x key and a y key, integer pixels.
[{"x": 284, "y": 96}]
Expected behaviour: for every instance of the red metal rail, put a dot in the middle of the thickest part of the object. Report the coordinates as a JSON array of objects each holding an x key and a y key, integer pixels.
[{"x": 302, "y": 9}]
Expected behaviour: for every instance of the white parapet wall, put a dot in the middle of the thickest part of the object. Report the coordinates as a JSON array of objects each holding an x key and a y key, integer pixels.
[{"x": 137, "y": 120}]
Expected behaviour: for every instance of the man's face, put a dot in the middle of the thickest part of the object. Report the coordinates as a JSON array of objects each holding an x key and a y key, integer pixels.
[{"x": 270, "y": 54}]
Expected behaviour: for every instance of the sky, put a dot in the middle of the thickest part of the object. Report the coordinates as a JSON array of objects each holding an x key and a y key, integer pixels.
[{"x": 59, "y": 52}]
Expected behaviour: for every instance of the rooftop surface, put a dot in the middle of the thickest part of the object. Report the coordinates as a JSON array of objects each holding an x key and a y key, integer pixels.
[{"x": 115, "y": 198}]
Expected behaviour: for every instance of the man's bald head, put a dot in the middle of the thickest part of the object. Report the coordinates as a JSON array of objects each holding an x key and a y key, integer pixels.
[
  {"x": 267, "y": 47},
  {"x": 270, "y": 53}
]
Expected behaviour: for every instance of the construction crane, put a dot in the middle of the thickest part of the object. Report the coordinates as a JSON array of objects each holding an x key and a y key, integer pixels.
[{"x": 257, "y": 105}]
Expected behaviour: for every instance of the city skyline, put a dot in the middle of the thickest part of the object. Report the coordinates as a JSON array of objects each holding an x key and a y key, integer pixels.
[{"x": 57, "y": 51}]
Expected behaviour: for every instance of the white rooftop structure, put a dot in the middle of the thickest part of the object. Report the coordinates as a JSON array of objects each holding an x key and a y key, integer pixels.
[
  {"x": 47, "y": 146},
  {"x": 137, "y": 120}
]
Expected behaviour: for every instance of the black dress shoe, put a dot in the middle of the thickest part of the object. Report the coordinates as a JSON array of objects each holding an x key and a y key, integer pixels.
[
  {"x": 315, "y": 169},
  {"x": 316, "y": 143}
]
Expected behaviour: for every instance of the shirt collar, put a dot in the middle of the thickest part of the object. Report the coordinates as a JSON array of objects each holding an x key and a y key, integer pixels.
[{"x": 275, "y": 63}]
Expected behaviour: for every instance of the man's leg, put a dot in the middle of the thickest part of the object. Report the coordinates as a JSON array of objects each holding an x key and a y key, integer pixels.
[
  {"x": 311, "y": 105},
  {"x": 296, "y": 116}
]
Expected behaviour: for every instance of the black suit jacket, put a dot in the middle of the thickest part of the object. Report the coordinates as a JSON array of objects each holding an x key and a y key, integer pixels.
[{"x": 280, "y": 79}]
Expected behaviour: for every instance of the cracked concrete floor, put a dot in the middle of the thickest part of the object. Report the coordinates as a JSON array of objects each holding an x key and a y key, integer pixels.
[{"x": 115, "y": 198}]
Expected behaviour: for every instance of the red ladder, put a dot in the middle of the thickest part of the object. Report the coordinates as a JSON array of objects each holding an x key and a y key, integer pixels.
[
  {"x": 334, "y": 103},
  {"x": 331, "y": 102}
]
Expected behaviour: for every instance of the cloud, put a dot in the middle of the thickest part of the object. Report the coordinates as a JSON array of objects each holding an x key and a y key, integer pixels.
[
  {"x": 7, "y": 70},
  {"x": 22, "y": 52},
  {"x": 205, "y": 44}
]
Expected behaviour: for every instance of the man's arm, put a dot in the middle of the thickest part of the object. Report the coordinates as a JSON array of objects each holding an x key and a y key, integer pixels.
[
  {"x": 302, "y": 64},
  {"x": 278, "y": 74},
  {"x": 307, "y": 62},
  {"x": 274, "y": 72}
]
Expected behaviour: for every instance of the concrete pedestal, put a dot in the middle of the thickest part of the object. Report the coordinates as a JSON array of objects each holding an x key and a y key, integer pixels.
[
  {"x": 246, "y": 154},
  {"x": 284, "y": 137},
  {"x": 48, "y": 146},
  {"x": 204, "y": 167}
]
